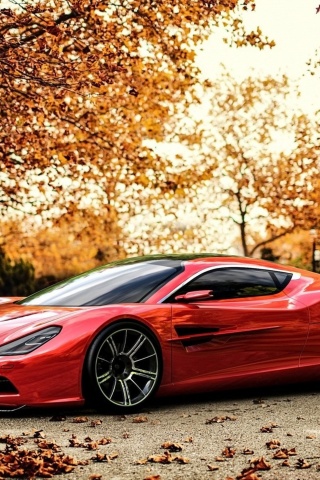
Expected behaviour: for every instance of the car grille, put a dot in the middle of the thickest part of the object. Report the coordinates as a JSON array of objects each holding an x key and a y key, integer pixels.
[{"x": 6, "y": 386}]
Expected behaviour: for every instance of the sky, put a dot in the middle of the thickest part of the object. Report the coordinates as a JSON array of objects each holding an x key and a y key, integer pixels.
[{"x": 293, "y": 25}]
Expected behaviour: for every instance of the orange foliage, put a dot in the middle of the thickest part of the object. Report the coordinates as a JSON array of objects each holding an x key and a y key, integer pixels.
[
  {"x": 84, "y": 84},
  {"x": 267, "y": 158}
]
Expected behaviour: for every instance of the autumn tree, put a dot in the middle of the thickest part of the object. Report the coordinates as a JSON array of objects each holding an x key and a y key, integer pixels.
[
  {"x": 267, "y": 158},
  {"x": 85, "y": 83},
  {"x": 85, "y": 88}
]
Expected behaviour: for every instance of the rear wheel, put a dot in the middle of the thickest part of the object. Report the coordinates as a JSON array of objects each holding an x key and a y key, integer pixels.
[{"x": 123, "y": 368}]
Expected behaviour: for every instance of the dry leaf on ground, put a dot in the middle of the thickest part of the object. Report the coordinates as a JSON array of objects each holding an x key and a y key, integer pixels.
[
  {"x": 139, "y": 419},
  {"x": 268, "y": 428},
  {"x": 79, "y": 419},
  {"x": 220, "y": 419},
  {"x": 273, "y": 444},
  {"x": 247, "y": 451},
  {"x": 172, "y": 447},
  {"x": 301, "y": 464},
  {"x": 94, "y": 423},
  {"x": 228, "y": 452}
]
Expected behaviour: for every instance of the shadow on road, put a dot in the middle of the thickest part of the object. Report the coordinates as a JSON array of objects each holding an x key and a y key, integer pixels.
[{"x": 255, "y": 395}]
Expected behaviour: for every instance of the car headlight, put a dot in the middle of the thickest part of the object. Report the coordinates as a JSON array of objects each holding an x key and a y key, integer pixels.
[{"x": 30, "y": 342}]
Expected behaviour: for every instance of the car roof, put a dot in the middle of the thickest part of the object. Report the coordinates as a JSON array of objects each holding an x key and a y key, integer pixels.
[
  {"x": 214, "y": 259},
  {"x": 185, "y": 258}
]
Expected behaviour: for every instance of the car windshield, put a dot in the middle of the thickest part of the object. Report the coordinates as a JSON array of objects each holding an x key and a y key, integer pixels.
[{"x": 114, "y": 283}]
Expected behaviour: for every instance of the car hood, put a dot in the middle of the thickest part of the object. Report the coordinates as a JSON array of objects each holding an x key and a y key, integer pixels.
[{"x": 18, "y": 320}]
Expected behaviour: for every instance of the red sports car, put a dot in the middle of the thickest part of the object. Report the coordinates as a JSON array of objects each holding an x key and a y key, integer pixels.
[{"x": 164, "y": 324}]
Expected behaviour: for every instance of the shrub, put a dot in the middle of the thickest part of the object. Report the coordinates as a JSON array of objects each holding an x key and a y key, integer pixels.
[{"x": 16, "y": 278}]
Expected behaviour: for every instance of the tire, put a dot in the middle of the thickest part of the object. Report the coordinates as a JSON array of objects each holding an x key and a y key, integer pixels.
[{"x": 123, "y": 368}]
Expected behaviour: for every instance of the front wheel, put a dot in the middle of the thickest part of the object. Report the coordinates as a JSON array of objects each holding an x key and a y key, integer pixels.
[{"x": 123, "y": 368}]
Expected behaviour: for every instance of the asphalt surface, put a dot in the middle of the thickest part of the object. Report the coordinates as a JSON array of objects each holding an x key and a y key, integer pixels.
[{"x": 212, "y": 437}]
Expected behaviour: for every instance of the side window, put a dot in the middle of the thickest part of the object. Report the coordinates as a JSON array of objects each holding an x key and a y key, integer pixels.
[{"x": 237, "y": 282}]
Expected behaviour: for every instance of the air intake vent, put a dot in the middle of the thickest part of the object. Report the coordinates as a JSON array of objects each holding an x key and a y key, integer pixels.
[{"x": 6, "y": 386}]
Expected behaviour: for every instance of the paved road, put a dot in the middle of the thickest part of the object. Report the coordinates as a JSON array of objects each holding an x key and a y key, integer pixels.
[{"x": 224, "y": 432}]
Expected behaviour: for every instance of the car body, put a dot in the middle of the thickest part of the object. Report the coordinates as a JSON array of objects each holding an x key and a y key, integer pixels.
[{"x": 159, "y": 325}]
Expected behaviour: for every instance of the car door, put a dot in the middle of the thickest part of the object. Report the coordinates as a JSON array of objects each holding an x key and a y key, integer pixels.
[{"x": 248, "y": 325}]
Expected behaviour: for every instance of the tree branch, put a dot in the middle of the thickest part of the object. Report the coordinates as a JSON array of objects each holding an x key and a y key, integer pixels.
[
  {"x": 64, "y": 17},
  {"x": 271, "y": 239}
]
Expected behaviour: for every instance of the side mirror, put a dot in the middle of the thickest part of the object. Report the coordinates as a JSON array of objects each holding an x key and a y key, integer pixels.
[{"x": 195, "y": 295}]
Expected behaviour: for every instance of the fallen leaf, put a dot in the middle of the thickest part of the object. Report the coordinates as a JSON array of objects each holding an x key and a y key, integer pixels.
[
  {"x": 139, "y": 419},
  {"x": 220, "y": 419},
  {"x": 247, "y": 451},
  {"x": 250, "y": 476},
  {"x": 166, "y": 457},
  {"x": 273, "y": 444},
  {"x": 104, "y": 441},
  {"x": 12, "y": 442},
  {"x": 268, "y": 428},
  {"x": 112, "y": 456},
  {"x": 172, "y": 447},
  {"x": 181, "y": 460},
  {"x": 143, "y": 461},
  {"x": 292, "y": 451},
  {"x": 228, "y": 452},
  {"x": 103, "y": 457},
  {"x": 261, "y": 464},
  {"x": 94, "y": 423},
  {"x": 247, "y": 474},
  {"x": 45, "y": 445},
  {"x": 301, "y": 464},
  {"x": 74, "y": 442},
  {"x": 212, "y": 468},
  {"x": 280, "y": 454},
  {"x": 99, "y": 457},
  {"x": 80, "y": 419},
  {"x": 255, "y": 464},
  {"x": 92, "y": 445}
]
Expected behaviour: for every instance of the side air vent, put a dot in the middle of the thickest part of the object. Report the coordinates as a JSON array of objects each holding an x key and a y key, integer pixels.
[
  {"x": 6, "y": 386},
  {"x": 184, "y": 330}
]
